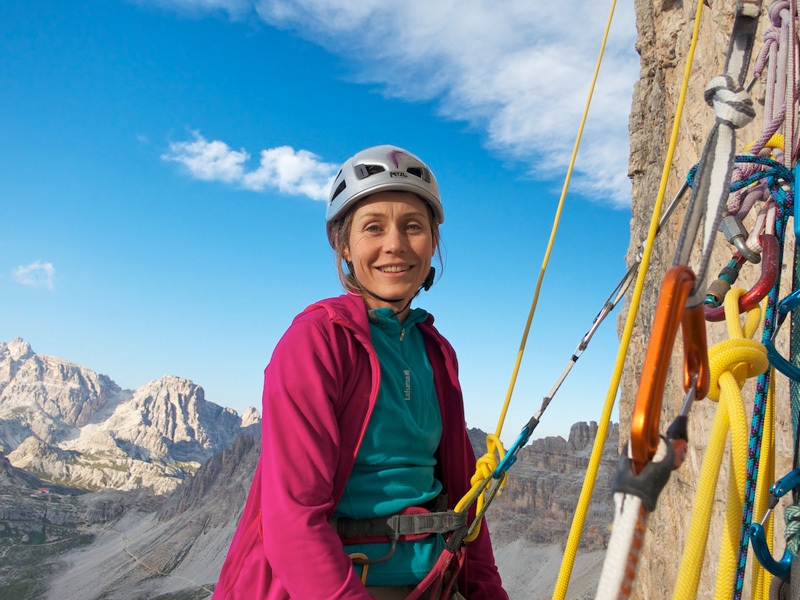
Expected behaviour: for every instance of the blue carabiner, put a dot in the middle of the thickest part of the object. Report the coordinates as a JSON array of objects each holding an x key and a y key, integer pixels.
[{"x": 758, "y": 537}]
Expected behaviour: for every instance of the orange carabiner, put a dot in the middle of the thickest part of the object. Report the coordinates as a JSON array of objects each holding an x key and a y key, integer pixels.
[{"x": 670, "y": 312}]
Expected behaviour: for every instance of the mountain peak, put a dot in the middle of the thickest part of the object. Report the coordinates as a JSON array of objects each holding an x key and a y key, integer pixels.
[
  {"x": 18, "y": 349},
  {"x": 151, "y": 437}
]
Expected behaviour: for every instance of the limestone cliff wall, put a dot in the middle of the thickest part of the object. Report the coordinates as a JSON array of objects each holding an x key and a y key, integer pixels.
[{"x": 665, "y": 30}]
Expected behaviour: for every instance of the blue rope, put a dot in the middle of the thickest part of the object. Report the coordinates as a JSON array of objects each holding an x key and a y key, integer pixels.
[{"x": 775, "y": 176}]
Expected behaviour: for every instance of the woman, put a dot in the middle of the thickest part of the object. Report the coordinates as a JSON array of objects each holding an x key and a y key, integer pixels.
[{"x": 363, "y": 416}]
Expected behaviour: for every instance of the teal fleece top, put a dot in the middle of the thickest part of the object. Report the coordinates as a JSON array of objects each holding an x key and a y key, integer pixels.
[{"x": 394, "y": 467}]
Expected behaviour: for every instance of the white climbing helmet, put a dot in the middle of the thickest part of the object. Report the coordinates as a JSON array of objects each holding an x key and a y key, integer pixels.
[{"x": 378, "y": 169}]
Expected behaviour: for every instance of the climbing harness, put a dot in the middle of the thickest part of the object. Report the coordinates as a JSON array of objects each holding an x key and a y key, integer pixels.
[{"x": 411, "y": 524}]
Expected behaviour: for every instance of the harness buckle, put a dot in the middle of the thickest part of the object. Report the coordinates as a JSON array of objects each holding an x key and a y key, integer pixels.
[{"x": 413, "y": 523}]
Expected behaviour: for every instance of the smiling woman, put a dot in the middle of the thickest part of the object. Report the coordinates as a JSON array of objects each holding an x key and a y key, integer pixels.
[
  {"x": 362, "y": 392},
  {"x": 388, "y": 249}
]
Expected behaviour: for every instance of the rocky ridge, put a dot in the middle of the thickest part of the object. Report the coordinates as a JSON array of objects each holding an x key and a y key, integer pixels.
[
  {"x": 540, "y": 496},
  {"x": 67, "y": 423}
]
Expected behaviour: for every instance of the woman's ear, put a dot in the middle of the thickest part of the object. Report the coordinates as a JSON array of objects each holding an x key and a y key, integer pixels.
[{"x": 346, "y": 253}]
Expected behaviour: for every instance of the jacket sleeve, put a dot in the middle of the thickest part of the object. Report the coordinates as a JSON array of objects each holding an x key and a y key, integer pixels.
[{"x": 300, "y": 454}]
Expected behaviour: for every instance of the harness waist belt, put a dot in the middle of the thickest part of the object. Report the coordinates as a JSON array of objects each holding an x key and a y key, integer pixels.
[{"x": 412, "y": 523}]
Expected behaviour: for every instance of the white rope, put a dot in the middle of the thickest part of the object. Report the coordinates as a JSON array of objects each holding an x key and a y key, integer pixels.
[{"x": 627, "y": 533}]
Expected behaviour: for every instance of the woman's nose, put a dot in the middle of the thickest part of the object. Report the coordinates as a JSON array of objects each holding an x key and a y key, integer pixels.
[{"x": 395, "y": 240}]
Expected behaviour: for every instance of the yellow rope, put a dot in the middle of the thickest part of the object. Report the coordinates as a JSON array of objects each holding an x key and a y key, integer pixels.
[
  {"x": 731, "y": 362},
  {"x": 571, "y": 549},
  {"x": 488, "y": 462}
]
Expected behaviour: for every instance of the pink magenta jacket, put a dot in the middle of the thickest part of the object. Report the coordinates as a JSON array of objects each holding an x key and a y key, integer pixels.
[{"x": 319, "y": 390}]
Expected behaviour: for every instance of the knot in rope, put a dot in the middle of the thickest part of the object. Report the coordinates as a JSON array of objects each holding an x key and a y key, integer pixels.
[
  {"x": 739, "y": 355},
  {"x": 486, "y": 464},
  {"x": 774, "y": 10},
  {"x": 732, "y": 105},
  {"x": 485, "y": 467},
  {"x": 791, "y": 516}
]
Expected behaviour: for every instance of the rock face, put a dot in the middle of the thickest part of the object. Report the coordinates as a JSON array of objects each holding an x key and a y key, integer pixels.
[
  {"x": 543, "y": 486},
  {"x": 665, "y": 29},
  {"x": 66, "y": 423},
  {"x": 47, "y": 397}
]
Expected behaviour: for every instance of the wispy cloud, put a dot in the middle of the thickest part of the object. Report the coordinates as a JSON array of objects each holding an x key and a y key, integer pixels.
[
  {"x": 519, "y": 70},
  {"x": 290, "y": 171},
  {"x": 36, "y": 274},
  {"x": 236, "y": 9}
]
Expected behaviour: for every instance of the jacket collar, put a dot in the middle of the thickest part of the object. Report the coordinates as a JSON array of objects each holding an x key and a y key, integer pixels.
[{"x": 349, "y": 309}]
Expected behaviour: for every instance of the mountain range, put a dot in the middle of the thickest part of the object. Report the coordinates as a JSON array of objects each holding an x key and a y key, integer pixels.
[
  {"x": 128, "y": 494},
  {"x": 68, "y": 424}
]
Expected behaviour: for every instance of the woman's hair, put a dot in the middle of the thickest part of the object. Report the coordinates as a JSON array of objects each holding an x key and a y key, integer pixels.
[{"x": 341, "y": 235}]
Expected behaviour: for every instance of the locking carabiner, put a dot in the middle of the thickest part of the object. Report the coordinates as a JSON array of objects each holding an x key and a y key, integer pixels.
[
  {"x": 758, "y": 538},
  {"x": 671, "y": 311},
  {"x": 770, "y": 266}
]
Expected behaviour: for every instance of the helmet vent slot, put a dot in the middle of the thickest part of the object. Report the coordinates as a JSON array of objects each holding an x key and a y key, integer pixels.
[
  {"x": 339, "y": 190},
  {"x": 364, "y": 171},
  {"x": 421, "y": 173}
]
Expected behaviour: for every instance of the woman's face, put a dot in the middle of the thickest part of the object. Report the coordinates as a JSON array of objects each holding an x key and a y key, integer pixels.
[{"x": 390, "y": 246}]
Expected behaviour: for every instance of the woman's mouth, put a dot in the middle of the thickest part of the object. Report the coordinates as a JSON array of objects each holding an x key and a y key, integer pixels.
[{"x": 394, "y": 269}]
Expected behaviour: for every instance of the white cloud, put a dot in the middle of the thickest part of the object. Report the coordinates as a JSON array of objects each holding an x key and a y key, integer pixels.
[
  {"x": 297, "y": 172},
  {"x": 36, "y": 274},
  {"x": 519, "y": 70},
  {"x": 209, "y": 161}
]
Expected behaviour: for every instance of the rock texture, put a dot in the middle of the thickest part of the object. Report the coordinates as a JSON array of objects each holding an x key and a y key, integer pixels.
[
  {"x": 542, "y": 491},
  {"x": 67, "y": 423},
  {"x": 665, "y": 29}
]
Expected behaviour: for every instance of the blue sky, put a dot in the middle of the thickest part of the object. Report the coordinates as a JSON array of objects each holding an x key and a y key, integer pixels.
[{"x": 164, "y": 163}]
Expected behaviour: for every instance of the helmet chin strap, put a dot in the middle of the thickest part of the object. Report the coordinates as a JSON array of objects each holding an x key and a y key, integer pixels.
[{"x": 426, "y": 285}]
